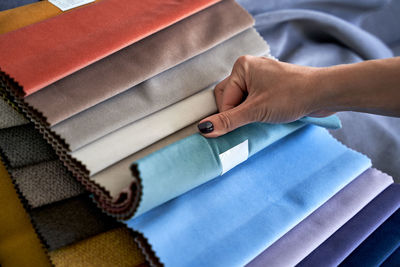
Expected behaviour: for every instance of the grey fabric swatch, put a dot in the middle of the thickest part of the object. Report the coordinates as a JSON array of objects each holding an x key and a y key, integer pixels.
[
  {"x": 376, "y": 136},
  {"x": 46, "y": 182},
  {"x": 160, "y": 91},
  {"x": 9, "y": 117},
  {"x": 23, "y": 145},
  {"x": 69, "y": 221}
]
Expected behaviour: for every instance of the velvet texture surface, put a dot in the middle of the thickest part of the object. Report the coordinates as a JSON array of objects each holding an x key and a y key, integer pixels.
[
  {"x": 337, "y": 247},
  {"x": 19, "y": 244},
  {"x": 231, "y": 218},
  {"x": 46, "y": 182},
  {"x": 160, "y": 91},
  {"x": 322, "y": 223},
  {"x": 378, "y": 246},
  {"x": 22, "y": 16},
  {"x": 140, "y": 61},
  {"x": 84, "y": 220},
  {"x": 9, "y": 116},
  {"x": 8, "y": 4},
  {"x": 42, "y": 53},
  {"x": 393, "y": 259},
  {"x": 112, "y": 248}
]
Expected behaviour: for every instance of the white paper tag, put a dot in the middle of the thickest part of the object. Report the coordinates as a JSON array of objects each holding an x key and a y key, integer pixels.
[
  {"x": 69, "y": 4},
  {"x": 234, "y": 156}
]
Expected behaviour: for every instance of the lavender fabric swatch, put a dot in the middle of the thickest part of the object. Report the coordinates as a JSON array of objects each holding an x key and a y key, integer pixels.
[
  {"x": 160, "y": 91},
  {"x": 140, "y": 61},
  {"x": 45, "y": 183},
  {"x": 69, "y": 221},
  {"x": 337, "y": 247},
  {"x": 9, "y": 117},
  {"x": 378, "y": 246},
  {"x": 23, "y": 145},
  {"x": 322, "y": 223}
]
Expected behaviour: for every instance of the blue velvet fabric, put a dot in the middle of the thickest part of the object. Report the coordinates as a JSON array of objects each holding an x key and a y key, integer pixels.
[
  {"x": 8, "y": 4},
  {"x": 230, "y": 220},
  {"x": 378, "y": 246},
  {"x": 393, "y": 259}
]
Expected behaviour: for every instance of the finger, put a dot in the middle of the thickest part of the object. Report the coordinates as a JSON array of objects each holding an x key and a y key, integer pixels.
[
  {"x": 233, "y": 94},
  {"x": 219, "y": 92}
]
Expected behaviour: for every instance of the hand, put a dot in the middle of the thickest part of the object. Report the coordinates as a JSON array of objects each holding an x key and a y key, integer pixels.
[{"x": 264, "y": 90}]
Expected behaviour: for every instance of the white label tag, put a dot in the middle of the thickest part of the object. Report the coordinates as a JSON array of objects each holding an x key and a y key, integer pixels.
[
  {"x": 234, "y": 156},
  {"x": 69, "y": 4}
]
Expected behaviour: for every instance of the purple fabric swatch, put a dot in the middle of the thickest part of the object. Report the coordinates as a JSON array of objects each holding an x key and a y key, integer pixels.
[{"x": 336, "y": 248}]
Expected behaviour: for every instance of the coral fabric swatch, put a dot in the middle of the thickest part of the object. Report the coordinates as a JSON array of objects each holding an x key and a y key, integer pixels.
[
  {"x": 113, "y": 248},
  {"x": 19, "y": 245},
  {"x": 323, "y": 222},
  {"x": 22, "y": 16},
  {"x": 337, "y": 247},
  {"x": 42, "y": 53},
  {"x": 235, "y": 217},
  {"x": 140, "y": 61},
  {"x": 160, "y": 91},
  {"x": 378, "y": 246}
]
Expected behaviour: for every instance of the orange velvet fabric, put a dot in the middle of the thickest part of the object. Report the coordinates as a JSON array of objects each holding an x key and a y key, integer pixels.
[{"x": 42, "y": 53}]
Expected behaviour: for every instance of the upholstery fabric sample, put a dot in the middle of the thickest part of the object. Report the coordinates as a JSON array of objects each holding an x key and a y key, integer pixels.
[
  {"x": 112, "y": 248},
  {"x": 8, "y": 4},
  {"x": 46, "y": 182},
  {"x": 235, "y": 217},
  {"x": 376, "y": 136},
  {"x": 9, "y": 117},
  {"x": 159, "y": 92},
  {"x": 140, "y": 61},
  {"x": 300, "y": 241},
  {"x": 393, "y": 259},
  {"x": 177, "y": 162},
  {"x": 337, "y": 247},
  {"x": 45, "y": 52},
  {"x": 23, "y": 145},
  {"x": 69, "y": 221},
  {"x": 22, "y": 16},
  {"x": 378, "y": 246},
  {"x": 19, "y": 244}
]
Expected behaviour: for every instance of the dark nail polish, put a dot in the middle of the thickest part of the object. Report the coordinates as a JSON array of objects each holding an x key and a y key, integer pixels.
[{"x": 206, "y": 127}]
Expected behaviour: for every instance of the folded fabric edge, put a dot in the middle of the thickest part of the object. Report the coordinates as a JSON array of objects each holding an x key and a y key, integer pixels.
[{"x": 26, "y": 207}]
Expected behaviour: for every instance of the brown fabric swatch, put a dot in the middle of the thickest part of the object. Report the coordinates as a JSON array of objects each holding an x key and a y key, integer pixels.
[
  {"x": 112, "y": 248},
  {"x": 46, "y": 182},
  {"x": 23, "y": 145},
  {"x": 69, "y": 221},
  {"x": 19, "y": 244},
  {"x": 140, "y": 61}
]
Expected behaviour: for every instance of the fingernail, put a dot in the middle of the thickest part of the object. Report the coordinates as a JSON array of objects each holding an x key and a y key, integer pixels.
[{"x": 206, "y": 127}]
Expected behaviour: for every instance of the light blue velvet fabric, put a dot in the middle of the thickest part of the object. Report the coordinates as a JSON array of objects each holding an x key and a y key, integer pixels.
[
  {"x": 195, "y": 160},
  {"x": 230, "y": 220}
]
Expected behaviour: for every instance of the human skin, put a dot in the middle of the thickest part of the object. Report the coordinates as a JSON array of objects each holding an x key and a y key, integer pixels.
[{"x": 260, "y": 89}]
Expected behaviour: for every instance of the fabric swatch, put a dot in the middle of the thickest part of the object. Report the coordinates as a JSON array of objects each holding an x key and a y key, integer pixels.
[
  {"x": 323, "y": 222},
  {"x": 376, "y": 136},
  {"x": 22, "y": 16},
  {"x": 23, "y": 145},
  {"x": 337, "y": 247},
  {"x": 8, "y": 4},
  {"x": 235, "y": 217},
  {"x": 140, "y": 61},
  {"x": 69, "y": 221},
  {"x": 45, "y": 52},
  {"x": 378, "y": 246},
  {"x": 19, "y": 244},
  {"x": 9, "y": 117},
  {"x": 160, "y": 91},
  {"x": 393, "y": 259},
  {"x": 112, "y": 248},
  {"x": 46, "y": 182}
]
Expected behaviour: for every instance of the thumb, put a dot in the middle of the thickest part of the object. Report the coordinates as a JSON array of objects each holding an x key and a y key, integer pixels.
[{"x": 224, "y": 122}]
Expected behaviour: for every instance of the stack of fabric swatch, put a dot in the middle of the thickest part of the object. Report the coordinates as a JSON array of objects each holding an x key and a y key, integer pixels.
[{"x": 98, "y": 136}]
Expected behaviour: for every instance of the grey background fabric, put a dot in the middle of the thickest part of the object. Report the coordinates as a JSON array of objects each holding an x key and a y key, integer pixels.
[
  {"x": 376, "y": 136},
  {"x": 46, "y": 182},
  {"x": 69, "y": 221},
  {"x": 9, "y": 117},
  {"x": 160, "y": 91},
  {"x": 23, "y": 145}
]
